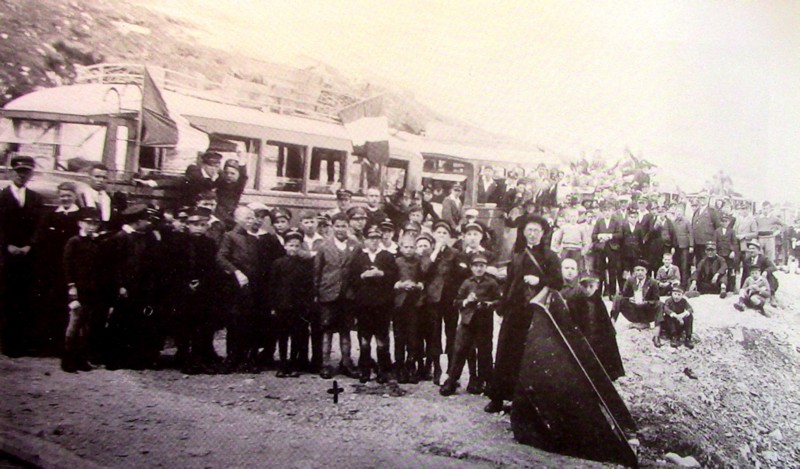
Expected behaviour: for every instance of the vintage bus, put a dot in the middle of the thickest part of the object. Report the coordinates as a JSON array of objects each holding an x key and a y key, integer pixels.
[
  {"x": 446, "y": 163},
  {"x": 297, "y": 154}
]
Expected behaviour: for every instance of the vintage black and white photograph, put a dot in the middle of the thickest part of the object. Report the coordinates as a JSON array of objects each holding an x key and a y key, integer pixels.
[{"x": 412, "y": 234}]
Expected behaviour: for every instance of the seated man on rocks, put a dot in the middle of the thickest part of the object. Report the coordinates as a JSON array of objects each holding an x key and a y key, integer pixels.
[
  {"x": 710, "y": 277},
  {"x": 639, "y": 302}
]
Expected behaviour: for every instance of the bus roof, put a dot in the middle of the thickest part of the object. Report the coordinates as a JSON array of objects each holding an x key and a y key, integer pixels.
[
  {"x": 81, "y": 100},
  {"x": 220, "y": 118}
]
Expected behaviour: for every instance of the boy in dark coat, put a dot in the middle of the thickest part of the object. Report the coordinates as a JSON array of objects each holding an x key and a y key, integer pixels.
[
  {"x": 373, "y": 273},
  {"x": 439, "y": 295},
  {"x": 476, "y": 299},
  {"x": 678, "y": 319},
  {"x": 407, "y": 301},
  {"x": 195, "y": 285},
  {"x": 136, "y": 265},
  {"x": 81, "y": 262},
  {"x": 291, "y": 290},
  {"x": 56, "y": 227}
]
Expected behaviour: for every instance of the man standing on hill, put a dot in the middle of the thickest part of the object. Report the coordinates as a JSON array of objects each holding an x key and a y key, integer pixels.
[
  {"x": 768, "y": 225},
  {"x": 705, "y": 222}
]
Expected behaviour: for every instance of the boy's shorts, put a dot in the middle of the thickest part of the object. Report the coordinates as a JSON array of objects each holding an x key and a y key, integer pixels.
[{"x": 336, "y": 315}]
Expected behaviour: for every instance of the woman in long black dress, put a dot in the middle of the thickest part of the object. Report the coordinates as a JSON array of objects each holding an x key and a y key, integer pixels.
[{"x": 530, "y": 270}]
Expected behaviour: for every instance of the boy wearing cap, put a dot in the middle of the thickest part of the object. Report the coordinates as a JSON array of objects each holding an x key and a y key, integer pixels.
[
  {"x": 357, "y": 217},
  {"x": 387, "y": 240},
  {"x": 20, "y": 209},
  {"x": 136, "y": 274},
  {"x": 710, "y": 275},
  {"x": 81, "y": 263},
  {"x": 280, "y": 218},
  {"x": 439, "y": 293},
  {"x": 407, "y": 301},
  {"x": 216, "y": 227},
  {"x": 56, "y": 227},
  {"x": 678, "y": 320},
  {"x": 195, "y": 290},
  {"x": 330, "y": 291},
  {"x": 291, "y": 290},
  {"x": 755, "y": 292},
  {"x": 475, "y": 300},
  {"x": 372, "y": 273}
]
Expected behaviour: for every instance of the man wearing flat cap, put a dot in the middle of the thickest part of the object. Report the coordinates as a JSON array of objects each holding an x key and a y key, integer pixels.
[
  {"x": 639, "y": 302},
  {"x": 710, "y": 276},
  {"x": 202, "y": 177},
  {"x": 756, "y": 259},
  {"x": 344, "y": 198},
  {"x": 20, "y": 209}
]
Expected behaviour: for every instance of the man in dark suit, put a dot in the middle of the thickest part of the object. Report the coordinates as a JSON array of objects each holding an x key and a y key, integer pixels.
[
  {"x": 755, "y": 259},
  {"x": 633, "y": 233},
  {"x": 606, "y": 246},
  {"x": 20, "y": 209},
  {"x": 705, "y": 222},
  {"x": 639, "y": 302},
  {"x": 239, "y": 257},
  {"x": 489, "y": 191}
]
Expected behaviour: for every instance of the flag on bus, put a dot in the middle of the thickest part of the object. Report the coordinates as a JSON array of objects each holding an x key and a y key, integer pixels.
[
  {"x": 368, "y": 126},
  {"x": 158, "y": 128}
]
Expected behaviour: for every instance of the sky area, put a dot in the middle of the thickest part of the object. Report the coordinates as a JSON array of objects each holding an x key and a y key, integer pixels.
[{"x": 693, "y": 86}]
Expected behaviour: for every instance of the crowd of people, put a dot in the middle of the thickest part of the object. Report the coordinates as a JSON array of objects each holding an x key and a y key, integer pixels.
[{"x": 98, "y": 281}]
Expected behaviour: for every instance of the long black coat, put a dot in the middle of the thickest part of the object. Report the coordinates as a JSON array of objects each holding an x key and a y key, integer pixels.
[
  {"x": 589, "y": 313},
  {"x": 517, "y": 316}
]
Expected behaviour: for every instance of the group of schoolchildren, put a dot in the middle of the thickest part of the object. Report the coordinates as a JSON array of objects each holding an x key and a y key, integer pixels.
[{"x": 129, "y": 278}]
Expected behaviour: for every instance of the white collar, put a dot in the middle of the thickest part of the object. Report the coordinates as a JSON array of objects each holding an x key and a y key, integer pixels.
[
  {"x": 311, "y": 239},
  {"x": 128, "y": 229},
  {"x": 208, "y": 176},
  {"x": 342, "y": 245},
  {"x": 70, "y": 209}
]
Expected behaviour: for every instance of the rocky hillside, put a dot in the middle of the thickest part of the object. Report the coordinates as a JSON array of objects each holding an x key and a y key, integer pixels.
[{"x": 41, "y": 41}]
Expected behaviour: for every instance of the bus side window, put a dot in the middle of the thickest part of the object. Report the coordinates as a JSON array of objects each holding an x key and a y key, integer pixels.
[
  {"x": 282, "y": 167},
  {"x": 327, "y": 170}
]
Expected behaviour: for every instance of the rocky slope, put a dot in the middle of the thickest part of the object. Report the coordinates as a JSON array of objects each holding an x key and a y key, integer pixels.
[{"x": 41, "y": 41}]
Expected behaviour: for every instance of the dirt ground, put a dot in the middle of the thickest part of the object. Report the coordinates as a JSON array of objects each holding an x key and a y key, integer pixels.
[{"x": 740, "y": 411}]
